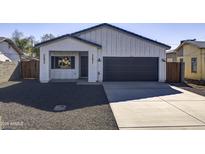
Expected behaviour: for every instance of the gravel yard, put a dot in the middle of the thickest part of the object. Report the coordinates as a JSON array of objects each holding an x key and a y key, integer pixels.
[
  {"x": 195, "y": 88},
  {"x": 30, "y": 104}
]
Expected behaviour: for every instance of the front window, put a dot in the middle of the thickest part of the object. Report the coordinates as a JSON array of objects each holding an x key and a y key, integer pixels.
[
  {"x": 193, "y": 65},
  {"x": 62, "y": 62}
]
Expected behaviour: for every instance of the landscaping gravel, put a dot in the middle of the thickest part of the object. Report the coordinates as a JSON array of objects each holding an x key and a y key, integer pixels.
[
  {"x": 195, "y": 88},
  {"x": 30, "y": 105}
]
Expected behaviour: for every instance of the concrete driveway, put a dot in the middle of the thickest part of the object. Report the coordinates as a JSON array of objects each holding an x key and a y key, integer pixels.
[{"x": 153, "y": 105}]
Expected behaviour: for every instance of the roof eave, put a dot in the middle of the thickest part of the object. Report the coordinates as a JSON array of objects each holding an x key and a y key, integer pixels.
[
  {"x": 66, "y": 36},
  {"x": 190, "y": 44}
]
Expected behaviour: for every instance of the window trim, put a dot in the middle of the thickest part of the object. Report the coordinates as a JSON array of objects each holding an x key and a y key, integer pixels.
[
  {"x": 72, "y": 67},
  {"x": 192, "y": 67}
]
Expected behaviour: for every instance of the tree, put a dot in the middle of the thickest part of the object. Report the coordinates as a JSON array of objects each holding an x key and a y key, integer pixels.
[
  {"x": 47, "y": 37},
  {"x": 26, "y": 44},
  {"x": 16, "y": 35}
]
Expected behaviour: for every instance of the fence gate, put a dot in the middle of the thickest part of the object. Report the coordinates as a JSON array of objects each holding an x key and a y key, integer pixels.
[
  {"x": 175, "y": 72},
  {"x": 30, "y": 69}
]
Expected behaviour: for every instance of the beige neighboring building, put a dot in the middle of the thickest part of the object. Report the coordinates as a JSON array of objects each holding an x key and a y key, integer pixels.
[{"x": 192, "y": 53}]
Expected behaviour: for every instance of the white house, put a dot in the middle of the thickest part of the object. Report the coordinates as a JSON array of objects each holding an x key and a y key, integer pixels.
[
  {"x": 9, "y": 51},
  {"x": 103, "y": 53}
]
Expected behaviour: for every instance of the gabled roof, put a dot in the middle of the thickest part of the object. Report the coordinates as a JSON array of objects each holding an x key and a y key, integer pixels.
[
  {"x": 198, "y": 44},
  {"x": 4, "y": 39},
  {"x": 73, "y": 35},
  {"x": 123, "y": 30},
  {"x": 67, "y": 36}
]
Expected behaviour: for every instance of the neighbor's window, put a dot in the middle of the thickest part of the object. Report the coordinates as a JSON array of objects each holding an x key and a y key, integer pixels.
[
  {"x": 62, "y": 62},
  {"x": 181, "y": 60},
  {"x": 193, "y": 65}
]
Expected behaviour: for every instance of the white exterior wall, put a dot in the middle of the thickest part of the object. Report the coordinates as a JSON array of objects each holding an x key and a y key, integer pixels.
[
  {"x": 71, "y": 46},
  {"x": 7, "y": 52},
  {"x": 65, "y": 73},
  {"x": 119, "y": 44}
]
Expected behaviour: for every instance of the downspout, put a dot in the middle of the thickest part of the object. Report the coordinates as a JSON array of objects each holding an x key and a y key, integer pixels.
[
  {"x": 98, "y": 60},
  {"x": 201, "y": 64}
]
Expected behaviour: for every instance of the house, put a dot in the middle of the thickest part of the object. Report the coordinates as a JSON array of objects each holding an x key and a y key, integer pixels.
[
  {"x": 192, "y": 53},
  {"x": 10, "y": 56},
  {"x": 9, "y": 51},
  {"x": 103, "y": 53},
  {"x": 171, "y": 56}
]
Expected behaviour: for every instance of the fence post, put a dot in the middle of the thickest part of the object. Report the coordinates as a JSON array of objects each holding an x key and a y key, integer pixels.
[{"x": 182, "y": 71}]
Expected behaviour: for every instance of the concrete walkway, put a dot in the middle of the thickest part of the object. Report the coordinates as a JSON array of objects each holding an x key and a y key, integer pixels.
[{"x": 153, "y": 105}]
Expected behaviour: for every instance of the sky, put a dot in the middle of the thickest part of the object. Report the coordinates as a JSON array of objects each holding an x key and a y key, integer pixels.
[{"x": 170, "y": 34}]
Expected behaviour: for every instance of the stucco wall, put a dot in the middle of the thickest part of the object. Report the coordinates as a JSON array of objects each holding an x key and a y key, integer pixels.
[
  {"x": 9, "y": 52},
  {"x": 116, "y": 43},
  {"x": 190, "y": 51},
  {"x": 203, "y": 63}
]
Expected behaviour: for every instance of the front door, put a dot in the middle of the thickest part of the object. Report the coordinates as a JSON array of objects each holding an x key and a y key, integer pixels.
[{"x": 84, "y": 66}]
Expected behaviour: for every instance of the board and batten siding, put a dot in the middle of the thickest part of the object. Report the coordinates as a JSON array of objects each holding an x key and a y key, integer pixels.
[{"x": 116, "y": 43}]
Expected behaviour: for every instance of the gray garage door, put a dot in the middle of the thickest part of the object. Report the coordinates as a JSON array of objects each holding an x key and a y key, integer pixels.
[{"x": 130, "y": 69}]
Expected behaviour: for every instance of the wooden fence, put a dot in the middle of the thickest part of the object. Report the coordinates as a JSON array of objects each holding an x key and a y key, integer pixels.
[
  {"x": 30, "y": 69},
  {"x": 175, "y": 72}
]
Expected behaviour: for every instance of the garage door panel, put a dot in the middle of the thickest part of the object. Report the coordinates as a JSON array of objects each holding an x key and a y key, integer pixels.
[{"x": 130, "y": 68}]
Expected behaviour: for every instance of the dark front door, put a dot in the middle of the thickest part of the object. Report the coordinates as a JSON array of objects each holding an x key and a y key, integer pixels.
[
  {"x": 130, "y": 69},
  {"x": 84, "y": 66}
]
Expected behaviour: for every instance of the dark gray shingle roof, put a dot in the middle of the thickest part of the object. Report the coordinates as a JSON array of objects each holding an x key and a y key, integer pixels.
[{"x": 199, "y": 44}]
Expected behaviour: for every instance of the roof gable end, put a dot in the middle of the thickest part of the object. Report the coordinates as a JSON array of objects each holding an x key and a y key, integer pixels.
[{"x": 122, "y": 30}]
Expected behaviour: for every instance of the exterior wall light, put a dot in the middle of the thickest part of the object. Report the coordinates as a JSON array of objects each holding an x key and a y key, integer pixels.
[
  {"x": 163, "y": 60},
  {"x": 99, "y": 60}
]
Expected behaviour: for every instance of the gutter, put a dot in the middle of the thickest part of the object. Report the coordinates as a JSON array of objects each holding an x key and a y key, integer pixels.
[{"x": 202, "y": 63}]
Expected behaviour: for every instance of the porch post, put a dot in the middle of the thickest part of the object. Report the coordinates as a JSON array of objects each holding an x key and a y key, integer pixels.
[
  {"x": 92, "y": 65},
  {"x": 44, "y": 66}
]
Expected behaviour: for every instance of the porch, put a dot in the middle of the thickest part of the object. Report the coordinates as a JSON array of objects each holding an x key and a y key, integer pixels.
[
  {"x": 68, "y": 65},
  {"x": 69, "y": 59},
  {"x": 80, "y": 81}
]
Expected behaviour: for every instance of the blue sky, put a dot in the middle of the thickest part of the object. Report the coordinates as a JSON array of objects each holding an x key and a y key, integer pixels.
[{"x": 170, "y": 34}]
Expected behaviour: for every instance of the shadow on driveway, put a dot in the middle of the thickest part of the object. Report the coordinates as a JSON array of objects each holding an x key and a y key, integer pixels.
[{"x": 119, "y": 92}]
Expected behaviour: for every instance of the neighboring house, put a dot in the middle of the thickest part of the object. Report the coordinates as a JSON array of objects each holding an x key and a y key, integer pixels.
[
  {"x": 10, "y": 56},
  {"x": 103, "y": 53},
  {"x": 192, "y": 53},
  {"x": 171, "y": 56},
  {"x": 9, "y": 51}
]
